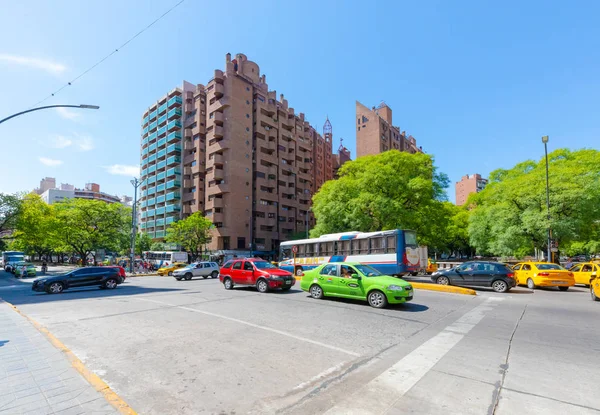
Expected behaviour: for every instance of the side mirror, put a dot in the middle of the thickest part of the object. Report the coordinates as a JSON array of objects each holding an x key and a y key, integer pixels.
[{"x": 356, "y": 277}]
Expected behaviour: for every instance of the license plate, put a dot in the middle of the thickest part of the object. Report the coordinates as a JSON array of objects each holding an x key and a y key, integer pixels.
[
  {"x": 559, "y": 282},
  {"x": 288, "y": 282}
]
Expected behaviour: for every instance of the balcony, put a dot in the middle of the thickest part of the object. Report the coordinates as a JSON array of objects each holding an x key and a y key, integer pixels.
[
  {"x": 161, "y": 142},
  {"x": 161, "y": 164},
  {"x": 186, "y": 198},
  {"x": 172, "y": 208},
  {"x": 175, "y": 100},
  {"x": 173, "y": 196},
  {"x": 217, "y": 189},
  {"x": 173, "y": 160},
  {"x": 174, "y": 137},
  {"x": 144, "y": 131},
  {"x": 152, "y": 126},
  {"x": 219, "y": 90},
  {"x": 218, "y": 131},
  {"x": 174, "y": 113},
  {"x": 152, "y": 169},
  {"x": 174, "y": 125},
  {"x": 216, "y": 174},
  {"x": 161, "y": 176},
  {"x": 150, "y": 191},
  {"x": 159, "y": 234},
  {"x": 144, "y": 121},
  {"x": 215, "y": 203},
  {"x": 219, "y": 145},
  {"x": 144, "y": 151},
  {"x": 152, "y": 158},
  {"x": 160, "y": 188},
  {"x": 160, "y": 199},
  {"x": 150, "y": 224},
  {"x": 162, "y": 120},
  {"x": 189, "y": 145},
  {"x": 218, "y": 118},
  {"x": 217, "y": 217},
  {"x": 161, "y": 153},
  {"x": 162, "y": 131},
  {"x": 175, "y": 171},
  {"x": 174, "y": 148},
  {"x": 150, "y": 202},
  {"x": 152, "y": 115},
  {"x": 172, "y": 184},
  {"x": 160, "y": 222},
  {"x": 162, "y": 109},
  {"x": 151, "y": 138}
]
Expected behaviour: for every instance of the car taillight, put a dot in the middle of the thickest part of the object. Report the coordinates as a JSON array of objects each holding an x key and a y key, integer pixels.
[
  {"x": 543, "y": 274},
  {"x": 511, "y": 275},
  {"x": 571, "y": 274}
]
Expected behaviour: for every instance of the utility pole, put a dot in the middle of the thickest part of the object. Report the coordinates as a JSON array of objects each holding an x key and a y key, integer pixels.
[
  {"x": 549, "y": 257},
  {"x": 136, "y": 183}
]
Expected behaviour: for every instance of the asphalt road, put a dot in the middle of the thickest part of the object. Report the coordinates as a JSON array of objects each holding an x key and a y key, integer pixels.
[{"x": 191, "y": 347}]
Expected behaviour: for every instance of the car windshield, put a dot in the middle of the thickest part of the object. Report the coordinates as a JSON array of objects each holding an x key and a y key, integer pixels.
[
  {"x": 264, "y": 265},
  {"x": 368, "y": 271},
  {"x": 549, "y": 266}
]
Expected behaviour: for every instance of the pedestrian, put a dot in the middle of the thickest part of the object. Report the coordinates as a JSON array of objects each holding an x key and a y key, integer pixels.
[
  {"x": 569, "y": 263},
  {"x": 44, "y": 267}
]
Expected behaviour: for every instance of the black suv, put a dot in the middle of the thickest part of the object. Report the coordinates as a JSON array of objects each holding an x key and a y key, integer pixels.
[
  {"x": 478, "y": 273},
  {"x": 103, "y": 277}
]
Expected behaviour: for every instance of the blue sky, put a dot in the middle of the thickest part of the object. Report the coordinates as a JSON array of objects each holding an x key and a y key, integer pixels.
[{"x": 477, "y": 83}]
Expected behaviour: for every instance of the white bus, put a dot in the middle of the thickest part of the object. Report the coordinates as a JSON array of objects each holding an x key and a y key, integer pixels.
[{"x": 158, "y": 257}]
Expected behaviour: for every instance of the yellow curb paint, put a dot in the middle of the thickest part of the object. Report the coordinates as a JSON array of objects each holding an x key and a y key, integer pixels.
[
  {"x": 443, "y": 288},
  {"x": 93, "y": 379}
]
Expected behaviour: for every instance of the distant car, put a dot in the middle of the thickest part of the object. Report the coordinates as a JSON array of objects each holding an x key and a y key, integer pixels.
[
  {"x": 169, "y": 269},
  {"x": 595, "y": 286},
  {"x": 197, "y": 269},
  {"x": 255, "y": 272},
  {"x": 543, "y": 274},
  {"x": 496, "y": 275},
  {"x": 583, "y": 272},
  {"x": 25, "y": 270},
  {"x": 103, "y": 277},
  {"x": 356, "y": 281}
]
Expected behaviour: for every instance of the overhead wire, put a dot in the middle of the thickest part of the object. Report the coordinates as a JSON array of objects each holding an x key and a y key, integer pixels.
[{"x": 109, "y": 55}]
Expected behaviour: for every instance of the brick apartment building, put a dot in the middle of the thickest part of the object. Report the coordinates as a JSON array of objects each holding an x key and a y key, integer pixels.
[
  {"x": 375, "y": 132},
  {"x": 471, "y": 183},
  {"x": 234, "y": 151}
]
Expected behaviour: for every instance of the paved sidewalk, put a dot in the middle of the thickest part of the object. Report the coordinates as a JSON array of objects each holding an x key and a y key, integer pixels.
[{"x": 37, "y": 378}]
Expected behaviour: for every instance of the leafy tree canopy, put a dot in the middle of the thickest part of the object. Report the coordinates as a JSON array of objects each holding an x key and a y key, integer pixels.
[
  {"x": 509, "y": 216},
  {"x": 191, "y": 233}
]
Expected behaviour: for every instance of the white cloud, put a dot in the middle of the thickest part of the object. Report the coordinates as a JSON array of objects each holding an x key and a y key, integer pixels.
[
  {"x": 59, "y": 141},
  {"x": 50, "y": 162},
  {"x": 68, "y": 114},
  {"x": 123, "y": 170},
  {"x": 84, "y": 142},
  {"x": 45, "y": 65}
]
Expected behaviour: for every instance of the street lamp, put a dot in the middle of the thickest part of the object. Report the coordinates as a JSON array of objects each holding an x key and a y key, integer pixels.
[
  {"x": 545, "y": 141},
  {"x": 136, "y": 183},
  {"x": 84, "y": 106}
]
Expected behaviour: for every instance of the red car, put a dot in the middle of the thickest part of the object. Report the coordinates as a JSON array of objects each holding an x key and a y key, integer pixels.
[
  {"x": 255, "y": 272},
  {"x": 121, "y": 270}
]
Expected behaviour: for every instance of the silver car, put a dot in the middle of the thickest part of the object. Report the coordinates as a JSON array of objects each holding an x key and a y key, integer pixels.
[{"x": 197, "y": 269}]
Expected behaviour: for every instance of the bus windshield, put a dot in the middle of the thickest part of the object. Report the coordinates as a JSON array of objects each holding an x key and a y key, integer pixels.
[{"x": 410, "y": 238}]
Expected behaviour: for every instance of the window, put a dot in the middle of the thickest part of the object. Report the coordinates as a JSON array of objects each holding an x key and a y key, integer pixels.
[
  {"x": 237, "y": 265},
  {"x": 248, "y": 102},
  {"x": 241, "y": 243},
  {"x": 247, "y": 115},
  {"x": 517, "y": 267},
  {"x": 248, "y": 266},
  {"x": 526, "y": 267},
  {"x": 376, "y": 245},
  {"x": 247, "y": 129},
  {"x": 330, "y": 270},
  {"x": 544, "y": 267},
  {"x": 390, "y": 244},
  {"x": 326, "y": 248},
  {"x": 344, "y": 247},
  {"x": 587, "y": 268},
  {"x": 576, "y": 268}
]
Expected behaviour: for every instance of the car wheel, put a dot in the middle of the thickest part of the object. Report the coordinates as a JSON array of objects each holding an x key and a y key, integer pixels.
[
  {"x": 228, "y": 283},
  {"x": 563, "y": 288},
  {"x": 316, "y": 291},
  {"x": 530, "y": 284},
  {"x": 262, "y": 286},
  {"x": 214, "y": 274},
  {"x": 377, "y": 299},
  {"x": 299, "y": 271},
  {"x": 188, "y": 276},
  {"x": 594, "y": 296},
  {"x": 110, "y": 283},
  {"x": 443, "y": 280},
  {"x": 500, "y": 286},
  {"x": 170, "y": 274},
  {"x": 56, "y": 288}
]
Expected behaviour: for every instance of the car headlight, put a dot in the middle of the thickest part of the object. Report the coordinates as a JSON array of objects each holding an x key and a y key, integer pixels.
[{"x": 395, "y": 288}]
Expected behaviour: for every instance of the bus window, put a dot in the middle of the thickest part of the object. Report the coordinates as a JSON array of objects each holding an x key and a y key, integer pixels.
[
  {"x": 363, "y": 246},
  {"x": 410, "y": 238},
  {"x": 301, "y": 251},
  {"x": 391, "y": 244},
  {"x": 326, "y": 248},
  {"x": 344, "y": 248},
  {"x": 317, "y": 249},
  {"x": 309, "y": 250},
  {"x": 376, "y": 245},
  {"x": 285, "y": 253}
]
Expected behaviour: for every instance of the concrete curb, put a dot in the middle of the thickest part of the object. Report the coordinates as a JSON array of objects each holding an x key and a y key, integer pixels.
[
  {"x": 93, "y": 379},
  {"x": 435, "y": 287},
  {"x": 443, "y": 288},
  {"x": 144, "y": 275}
]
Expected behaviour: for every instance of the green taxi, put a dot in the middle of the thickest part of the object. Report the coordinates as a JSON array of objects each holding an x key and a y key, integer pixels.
[
  {"x": 356, "y": 281},
  {"x": 25, "y": 270}
]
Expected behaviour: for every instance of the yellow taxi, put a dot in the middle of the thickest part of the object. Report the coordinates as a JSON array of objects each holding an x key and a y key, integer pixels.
[
  {"x": 595, "y": 286},
  {"x": 431, "y": 267},
  {"x": 168, "y": 270},
  {"x": 543, "y": 274},
  {"x": 583, "y": 272}
]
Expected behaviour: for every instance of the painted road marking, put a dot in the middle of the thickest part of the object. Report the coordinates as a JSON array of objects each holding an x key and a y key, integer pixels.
[
  {"x": 382, "y": 393},
  {"x": 247, "y": 323}
]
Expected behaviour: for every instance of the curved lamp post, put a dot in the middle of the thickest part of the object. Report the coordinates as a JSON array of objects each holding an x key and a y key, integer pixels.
[{"x": 84, "y": 106}]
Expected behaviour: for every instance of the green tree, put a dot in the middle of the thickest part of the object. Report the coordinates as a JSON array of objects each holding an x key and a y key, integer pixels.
[
  {"x": 158, "y": 246},
  {"x": 509, "y": 216},
  {"x": 392, "y": 190},
  {"x": 143, "y": 242},
  {"x": 191, "y": 233},
  {"x": 10, "y": 207},
  {"x": 35, "y": 227},
  {"x": 88, "y": 225}
]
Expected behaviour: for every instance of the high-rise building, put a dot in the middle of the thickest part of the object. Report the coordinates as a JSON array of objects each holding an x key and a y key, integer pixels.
[
  {"x": 45, "y": 184},
  {"x": 375, "y": 132},
  {"x": 342, "y": 156},
  {"x": 233, "y": 151},
  {"x": 471, "y": 183}
]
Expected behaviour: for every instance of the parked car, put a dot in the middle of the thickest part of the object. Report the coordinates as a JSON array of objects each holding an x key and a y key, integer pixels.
[
  {"x": 25, "y": 270},
  {"x": 103, "y": 277},
  {"x": 583, "y": 272},
  {"x": 356, "y": 281},
  {"x": 543, "y": 274},
  {"x": 169, "y": 269},
  {"x": 121, "y": 270},
  {"x": 197, "y": 269},
  {"x": 496, "y": 275},
  {"x": 595, "y": 286},
  {"x": 255, "y": 272}
]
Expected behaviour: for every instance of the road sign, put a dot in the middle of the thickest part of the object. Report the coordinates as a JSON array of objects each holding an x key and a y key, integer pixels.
[
  {"x": 295, "y": 249},
  {"x": 554, "y": 249}
]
